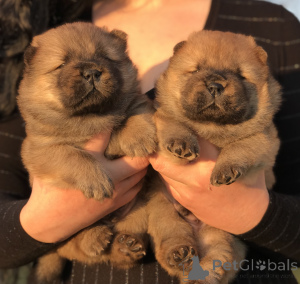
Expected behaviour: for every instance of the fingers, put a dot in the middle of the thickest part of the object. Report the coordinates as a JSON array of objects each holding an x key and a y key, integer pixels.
[
  {"x": 127, "y": 189},
  {"x": 125, "y": 167},
  {"x": 118, "y": 169},
  {"x": 98, "y": 143},
  {"x": 186, "y": 173},
  {"x": 123, "y": 186},
  {"x": 177, "y": 172},
  {"x": 178, "y": 190},
  {"x": 130, "y": 194}
]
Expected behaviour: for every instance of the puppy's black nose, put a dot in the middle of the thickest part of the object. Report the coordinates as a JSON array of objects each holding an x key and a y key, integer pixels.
[
  {"x": 91, "y": 75},
  {"x": 215, "y": 89}
]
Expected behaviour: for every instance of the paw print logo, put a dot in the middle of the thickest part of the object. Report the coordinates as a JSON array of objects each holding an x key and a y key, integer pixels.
[{"x": 261, "y": 265}]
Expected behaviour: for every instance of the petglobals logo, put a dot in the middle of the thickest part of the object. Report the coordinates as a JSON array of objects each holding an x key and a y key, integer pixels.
[
  {"x": 253, "y": 265},
  {"x": 199, "y": 273},
  {"x": 261, "y": 265}
]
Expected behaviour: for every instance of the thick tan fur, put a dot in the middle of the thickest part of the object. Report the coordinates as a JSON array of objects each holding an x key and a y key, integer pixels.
[
  {"x": 176, "y": 239},
  {"x": 217, "y": 86},
  {"x": 78, "y": 82},
  {"x": 62, "y": 111},
  {"x": 249, "y": 140},
  {"x": 56, "y": 133}
]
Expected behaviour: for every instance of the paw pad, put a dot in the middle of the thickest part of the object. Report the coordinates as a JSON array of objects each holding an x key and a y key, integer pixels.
[
  {"x": 181, "y": 256},
  {"x": 131, "y": 246},
  {"x": 183, "y": 149}
]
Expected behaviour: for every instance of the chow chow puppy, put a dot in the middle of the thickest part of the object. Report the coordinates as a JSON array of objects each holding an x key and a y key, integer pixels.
[
  {"x": 217, "y": 86},
  {"x": 79, "y": 81}
]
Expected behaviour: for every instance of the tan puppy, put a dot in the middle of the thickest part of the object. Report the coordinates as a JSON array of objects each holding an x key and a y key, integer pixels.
[
  {"x": 78, "y": 82},
  {"x": 217, "y": 86},
  {"x": 174, "y": 240}
]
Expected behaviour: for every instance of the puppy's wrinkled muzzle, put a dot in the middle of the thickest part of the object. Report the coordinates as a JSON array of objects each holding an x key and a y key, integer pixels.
[
  {"x": 92, "y": 75},
  {"x": 215, "y": 89}
]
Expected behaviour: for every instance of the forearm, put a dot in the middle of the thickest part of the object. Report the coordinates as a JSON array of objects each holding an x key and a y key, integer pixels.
[
  {"x": 279, "y": 229},
  {"x": 16, "y": 246}
]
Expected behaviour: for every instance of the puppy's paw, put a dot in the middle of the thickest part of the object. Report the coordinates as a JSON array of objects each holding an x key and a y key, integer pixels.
[
  {"x": 130, "y": 246},
  {"x": 95, "y": 240},
  {"x": 98, "y": 186},
  {"x": 226, "y": 174},
  {"x": 183, "y": 149},
  {"x": 181, "y": 256},
  {"x": 141, "y": 145}
]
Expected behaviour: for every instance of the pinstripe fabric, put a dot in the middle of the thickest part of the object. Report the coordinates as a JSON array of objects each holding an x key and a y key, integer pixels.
[
  {"x": 142, "y": 274},
  {"x": 111, "y": 275}
]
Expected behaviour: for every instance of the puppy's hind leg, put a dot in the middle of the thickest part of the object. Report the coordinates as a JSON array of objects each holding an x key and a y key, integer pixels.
[
  {"x": 217, "y": 248},
  {"x": 171, "y": 236},
  {"x": 49, "y": 267},
  {"x": 131, "y": 239},
  {"x": 89, "y": 245}
]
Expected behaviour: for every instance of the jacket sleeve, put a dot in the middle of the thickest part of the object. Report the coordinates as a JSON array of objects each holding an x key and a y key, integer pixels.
[
  {"x": 16, "y": 246},
  {"x": 279, "y": 229}
]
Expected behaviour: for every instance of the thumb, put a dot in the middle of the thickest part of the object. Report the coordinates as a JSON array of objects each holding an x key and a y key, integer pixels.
[{"x": 98, "y": 143}]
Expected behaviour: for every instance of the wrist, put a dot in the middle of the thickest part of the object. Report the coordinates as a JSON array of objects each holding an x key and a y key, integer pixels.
[
  {"x": 56, "y": 214},
  {"x": 42, "y": 226},
  {"x": 255, "y": 209},
  {"x": 237, "y": 208}
]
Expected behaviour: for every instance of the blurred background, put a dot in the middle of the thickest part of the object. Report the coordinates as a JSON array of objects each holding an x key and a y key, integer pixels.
[{"x": 291, "y": 5}]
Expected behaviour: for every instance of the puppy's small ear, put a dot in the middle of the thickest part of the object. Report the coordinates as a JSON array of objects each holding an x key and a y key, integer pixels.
[
  {"x": 261, "y": 54},
  {"x": 178, "y": 46},
  {"x": 121, "y": 35},
  {"x": 29, "y": 54}
]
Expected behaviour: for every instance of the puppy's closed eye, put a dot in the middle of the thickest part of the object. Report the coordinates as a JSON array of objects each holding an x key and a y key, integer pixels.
[
  {"x": 240, "y": 74},
  {"x": 60, "y": 66}
]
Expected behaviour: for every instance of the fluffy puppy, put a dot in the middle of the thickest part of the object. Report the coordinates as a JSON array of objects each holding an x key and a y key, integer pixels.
[
  {"x": 217, "y": 86},
  {"x": 79, "y": 81},
  {"x": 220, "y": 88}
]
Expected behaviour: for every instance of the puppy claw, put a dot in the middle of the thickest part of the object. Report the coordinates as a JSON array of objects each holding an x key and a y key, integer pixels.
[
  {"x": 121, "y": 239},
  {"x": 225, "y": 175},
  {"x": 137, "y": 248},
  {"x": 130, "y": 242},
  {"x": 176, "y": 257},
  {"x": 130, "y": 246},
  {"x": 98, "y": 188},
  {"x": 181, "y": 256},
  {"x": 95, "y": 240},
  {"x": 99, "y": 251}
]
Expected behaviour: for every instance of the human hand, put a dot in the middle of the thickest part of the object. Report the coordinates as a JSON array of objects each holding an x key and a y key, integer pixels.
[
  {"x": 235, "y": 208},
  {"x": 54, "y": 214}
]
